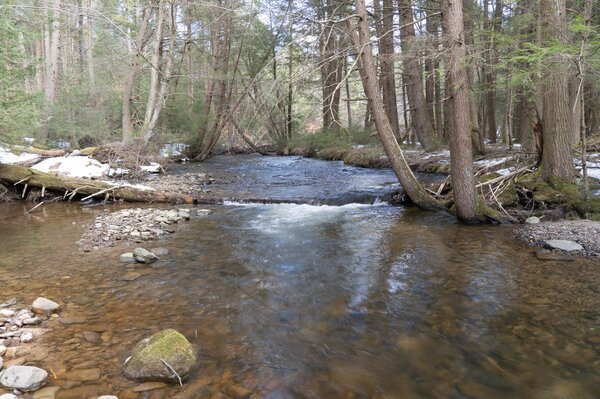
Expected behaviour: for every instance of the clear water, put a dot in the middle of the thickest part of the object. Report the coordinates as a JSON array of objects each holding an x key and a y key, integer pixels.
[{"x": 302, "y": 301}]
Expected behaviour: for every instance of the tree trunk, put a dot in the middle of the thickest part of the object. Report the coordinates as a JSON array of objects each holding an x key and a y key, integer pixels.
[
  {"x": 413, "y": 79},
  {"x": 411, "y": 185},
  {"x": 127, "y": 124},
  {"x": 385, "y": 34},
  {"x": 477, "y": 132},
  {"x": 557, "y": 159},
  {"x": 461, "y": 158},
  {"x": 52, "y": 66},
  {"x": 165, "y": 82},
  {"x": 155, "y": 65},
  {"x": 89, "y": 42}
]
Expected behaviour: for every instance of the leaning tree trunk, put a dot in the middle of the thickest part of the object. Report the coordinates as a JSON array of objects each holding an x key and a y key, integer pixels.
[
  {"x": 461, "y": 158},
  {"x": 362, "y": 42}
]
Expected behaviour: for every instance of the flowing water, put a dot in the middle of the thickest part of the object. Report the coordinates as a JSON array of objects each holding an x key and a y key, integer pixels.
[{"x": 304, "y": 301}]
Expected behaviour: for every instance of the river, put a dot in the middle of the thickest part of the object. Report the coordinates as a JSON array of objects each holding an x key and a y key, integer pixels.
[{"x": 352, "y": 299}]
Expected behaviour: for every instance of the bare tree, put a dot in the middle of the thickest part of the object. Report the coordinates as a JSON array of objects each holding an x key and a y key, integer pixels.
[
  {"x": 362, "y": 42},
  {"x": 461, "y": 158},
  {"x": 413, "y": 79},
  {"x": 557, "y": 120},
  {"x": 127, "y": 124}
]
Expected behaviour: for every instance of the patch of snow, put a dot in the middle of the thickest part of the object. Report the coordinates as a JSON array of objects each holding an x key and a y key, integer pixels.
[
  {"x": 117, "y": 172},
  {"x": 29, "y": 140},
  {"x": 503, "y": 172},
  {"x": 75, "y": 166},
  {"x": 490, "y": 162},
  {"x": 173, "y": 149},
  {"x": 8, "y": 157},
  {"x": 121, "y": 183},
  {"x": 154, "y": 167},
  {"x": 444, "y": 153}
]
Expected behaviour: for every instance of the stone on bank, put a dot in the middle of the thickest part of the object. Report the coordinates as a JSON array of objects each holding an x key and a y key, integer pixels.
[
  {"x": 44, "y": 306},
  {"x": 23, "y": 378},
  {"x": 165, "y": 356}
]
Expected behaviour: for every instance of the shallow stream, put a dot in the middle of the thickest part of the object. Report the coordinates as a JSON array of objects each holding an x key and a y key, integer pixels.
[{"x": 359, "y": 300}]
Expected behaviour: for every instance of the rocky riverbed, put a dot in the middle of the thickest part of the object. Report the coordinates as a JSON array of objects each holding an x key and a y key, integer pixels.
[
  {"x": 586, "y": 233},
  {"x": 130, "y": 226}
]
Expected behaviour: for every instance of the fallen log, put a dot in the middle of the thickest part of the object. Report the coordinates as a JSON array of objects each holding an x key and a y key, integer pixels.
[{"x": 90, "y": 188}]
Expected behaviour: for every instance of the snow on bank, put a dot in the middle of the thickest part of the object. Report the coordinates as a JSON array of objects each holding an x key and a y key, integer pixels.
[
  {"x": 83, "y": 166},
  {"x": 173, "y": 149},
  {"x": 74, "y": 166},
  {"x": 9, "y": 157}
]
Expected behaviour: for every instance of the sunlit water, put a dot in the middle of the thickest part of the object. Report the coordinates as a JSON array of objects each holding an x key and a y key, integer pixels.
[{"x": 302, "y": 301}]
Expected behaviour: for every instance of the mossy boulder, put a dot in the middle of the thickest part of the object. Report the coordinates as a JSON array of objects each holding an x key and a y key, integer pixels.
[{"x": 152, "y": 358}]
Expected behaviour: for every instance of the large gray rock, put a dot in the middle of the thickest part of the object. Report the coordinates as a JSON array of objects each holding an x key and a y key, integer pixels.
[
  {"x": 564, "y": 245},
  {"x": 152, "y": 358},
  {"x": 144, "y": 256},
  {"x": 23, "y": 378},
  {"x": 44, "y": 306}
]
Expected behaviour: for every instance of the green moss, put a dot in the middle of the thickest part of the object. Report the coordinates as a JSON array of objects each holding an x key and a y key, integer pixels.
[
  {"x": 148, "y": 358},
  {"x": 589, "y": 209}
]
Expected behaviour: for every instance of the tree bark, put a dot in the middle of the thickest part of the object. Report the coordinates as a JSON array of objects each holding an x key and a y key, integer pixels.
[
  {"x": 362, "y": 42},
  {"x": 461, "y": 158},
  {"x": 127, "y": 124},
  {"x": 166, "y": 74},
  {"x": 385, "y": 33},
  {"x": 52, "y": 67},
  {"x": 413, "y": 79},
  {"x": 557, "y": 160}
]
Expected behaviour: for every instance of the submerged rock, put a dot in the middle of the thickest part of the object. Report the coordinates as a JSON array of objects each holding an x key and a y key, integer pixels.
[
  {"x": 127, "y": 258},
  {"x": 544, "y": 254},
  {"x": 162, "y": 357},
  {"x": 142, "y": 255},
  {"x": 23, "y": 378},
  {"x": 44, "y": 306},
  {"x": 564, "y": 245}
]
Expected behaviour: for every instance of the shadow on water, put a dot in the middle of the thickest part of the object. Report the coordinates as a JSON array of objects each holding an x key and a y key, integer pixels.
[{"x": 301, "y": 301}]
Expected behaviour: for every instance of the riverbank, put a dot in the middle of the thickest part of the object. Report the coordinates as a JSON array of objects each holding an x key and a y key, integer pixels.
[{"x": 585, "y": 233}]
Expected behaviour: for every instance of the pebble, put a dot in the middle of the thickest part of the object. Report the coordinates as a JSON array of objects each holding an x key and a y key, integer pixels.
[
  {"x": 148, "y": 386},
  {"x": 45, "y": 306},
  {"x": 131, "y": 276},
  {"x": 72, "y": 320},
  {"x": 26, "y": 337},
  {"x": 142, "y": 255},
  {"x": 46, "y": 393},
  {"x": 127, "y": 258},
  {"x": 130, "y": 225}
]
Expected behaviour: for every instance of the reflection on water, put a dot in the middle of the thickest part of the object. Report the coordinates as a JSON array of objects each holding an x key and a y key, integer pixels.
[{"x": 299, "y": 301}]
